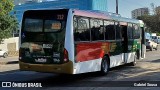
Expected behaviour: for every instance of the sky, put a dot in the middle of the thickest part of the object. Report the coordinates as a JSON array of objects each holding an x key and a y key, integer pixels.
[{"x": 126, "y": 6}]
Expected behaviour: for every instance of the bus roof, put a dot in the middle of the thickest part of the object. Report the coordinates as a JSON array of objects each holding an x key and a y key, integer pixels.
[
  {"x": 98, "y": 14},
  {"x": 104, "y": 15}
]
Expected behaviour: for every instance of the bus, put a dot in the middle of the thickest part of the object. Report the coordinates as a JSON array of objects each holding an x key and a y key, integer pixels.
[{"x": 71, "y": 41}]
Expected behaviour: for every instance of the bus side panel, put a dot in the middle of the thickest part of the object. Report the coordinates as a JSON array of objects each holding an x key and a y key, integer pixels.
[
  {"x": 87, "y": 66},
  {"x": 89, "y": 56},
  {"x": 91, "y": 51},
  {"x": 116, "y": 54},
  {"x": 116, "y": 60}
]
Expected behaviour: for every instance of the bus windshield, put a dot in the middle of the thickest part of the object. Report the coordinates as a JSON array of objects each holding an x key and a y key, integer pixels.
[
  {"x": 43, "y": 35},
  {"x": 43, "y": 27},
  {"x": 36, "y": 25}
]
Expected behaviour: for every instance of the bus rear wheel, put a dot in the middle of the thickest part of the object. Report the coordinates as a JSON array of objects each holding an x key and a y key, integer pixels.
[
  {"x": 151, "y": 48},
  {"x": 5, "y": 55},
  {"x": 156, "y": 48},
  {"x": 104, "y": 65}
]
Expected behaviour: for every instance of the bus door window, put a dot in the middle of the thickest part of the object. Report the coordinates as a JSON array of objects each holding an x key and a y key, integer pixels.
[
  {"x": 136, "y": 32},
  {"x": 130, "y": 31},
  {"x": 124, "y": 37},
  {"x": 130, "y": 37}
]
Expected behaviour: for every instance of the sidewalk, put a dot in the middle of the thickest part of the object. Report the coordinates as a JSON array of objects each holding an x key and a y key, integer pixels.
[
  {"x": 9, "y": 68},
  {"x": 9, "y": 60},
  {"x": 9, "y": 64}
]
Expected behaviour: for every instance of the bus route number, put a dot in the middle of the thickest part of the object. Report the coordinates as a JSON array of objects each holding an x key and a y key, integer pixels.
[{"x": 60, "y": 17}]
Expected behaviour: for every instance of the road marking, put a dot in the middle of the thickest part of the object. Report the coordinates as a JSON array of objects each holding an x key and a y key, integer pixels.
[{"x": 140, "y": 74}]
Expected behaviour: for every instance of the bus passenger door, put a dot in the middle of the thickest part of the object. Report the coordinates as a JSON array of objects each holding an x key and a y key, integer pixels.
[
  {"x": 143, "y": 43},
  {"x": 124, "y": 43}
]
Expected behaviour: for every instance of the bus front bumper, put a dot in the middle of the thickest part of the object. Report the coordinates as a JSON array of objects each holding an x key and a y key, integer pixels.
[{"x": 66, "y": 68}]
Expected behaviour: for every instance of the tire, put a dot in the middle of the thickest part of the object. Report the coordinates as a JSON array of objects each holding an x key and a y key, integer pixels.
[
  {"x": 156, "y": 48},
  {"x": 151, "y": 48},
  {"x": 5, "y": 55},
  {"x": 104, "y": 66},
  {"x": 135, "y": 61}
]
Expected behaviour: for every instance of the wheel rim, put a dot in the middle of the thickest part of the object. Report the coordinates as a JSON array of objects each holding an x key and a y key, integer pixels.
[
  {"x": 5, "y": 55},
  {"x": 104, "y": 65}
]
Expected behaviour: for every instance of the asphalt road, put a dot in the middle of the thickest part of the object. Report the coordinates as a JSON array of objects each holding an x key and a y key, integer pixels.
[{"x": 146, "y": 72}]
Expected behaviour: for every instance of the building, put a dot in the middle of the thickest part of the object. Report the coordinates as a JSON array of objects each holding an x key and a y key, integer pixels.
[
  {"x": 158, "y": 10},
  {"x": 11, "y": 45},
  {"x": 140, "y": 12},
  {"x": 20, "y": 2},
  {"x": 22, "y": 5}
]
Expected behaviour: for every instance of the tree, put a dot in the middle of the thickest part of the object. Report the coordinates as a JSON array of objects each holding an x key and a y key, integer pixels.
[
  {"x": 7, "y": 22},
  {"x": 152, "y": 21}
]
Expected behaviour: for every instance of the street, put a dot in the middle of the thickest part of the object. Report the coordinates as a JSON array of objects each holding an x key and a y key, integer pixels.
[{"x": 123, "y": 77}]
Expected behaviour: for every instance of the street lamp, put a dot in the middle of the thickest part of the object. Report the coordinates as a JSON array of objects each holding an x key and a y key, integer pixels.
[{"x": 117, "y": 6}]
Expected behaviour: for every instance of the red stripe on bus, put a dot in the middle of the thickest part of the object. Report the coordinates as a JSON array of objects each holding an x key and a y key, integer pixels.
[{"x": 90, "y": 51}]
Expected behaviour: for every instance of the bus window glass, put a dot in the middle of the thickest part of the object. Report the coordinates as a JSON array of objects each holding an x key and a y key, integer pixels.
[
  {"x": 75, "y": 28},
  {"x": 136, "y": 31},
  {"x": 52, "y": 26},
  {"x": 74, "y": 23},
  {"x": 97, "y": 32},
  {"x": 130, "y": 31},
  {"x": 118, "y": 32},
  {"x": 82, "y": 31},
  {"x": 109, "y": 30},
  {"x": 33, "y": 25}
]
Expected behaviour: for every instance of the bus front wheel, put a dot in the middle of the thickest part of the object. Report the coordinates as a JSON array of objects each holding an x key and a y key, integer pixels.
[{"x": 104, "y": 65}]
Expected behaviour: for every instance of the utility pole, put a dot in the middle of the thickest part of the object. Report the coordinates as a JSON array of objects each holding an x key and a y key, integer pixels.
[{"x": 117, "y": 6}]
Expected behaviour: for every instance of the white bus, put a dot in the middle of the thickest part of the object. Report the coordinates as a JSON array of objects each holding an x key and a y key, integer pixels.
[{"x": 78, "y": 41}]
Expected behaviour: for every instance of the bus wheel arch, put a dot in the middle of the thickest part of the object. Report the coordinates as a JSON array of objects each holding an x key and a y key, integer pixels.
[
  {"x": 105, "y": 65},
  {"x": 151, "y": 48}
]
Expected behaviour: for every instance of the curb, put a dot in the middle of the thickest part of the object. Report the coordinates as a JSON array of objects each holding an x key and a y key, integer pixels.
[
  {"x": 3, "y": 63},
  {"x": 10, "y": 62}
]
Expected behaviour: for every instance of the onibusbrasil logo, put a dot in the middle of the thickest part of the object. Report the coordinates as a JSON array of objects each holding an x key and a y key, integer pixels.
[{"x": 15, "y": 84}]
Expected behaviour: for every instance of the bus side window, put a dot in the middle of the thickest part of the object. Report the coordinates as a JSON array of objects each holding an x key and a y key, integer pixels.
[
  {"x": 97, "y": 32},
  {"x": 106, "y": 33},
  {"x": 81, "y": 29},
  {"x": 109, "y": 30},
  {"x": 76, "y": 34},
  {"x": 118, "y": 32}
]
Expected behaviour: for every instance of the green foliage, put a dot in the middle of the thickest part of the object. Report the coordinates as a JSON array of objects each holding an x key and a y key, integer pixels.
[
  {"x": 158, "y": 34},
  {"x": 152, "y": 22},
  {"x": 8, "y": 23}
]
